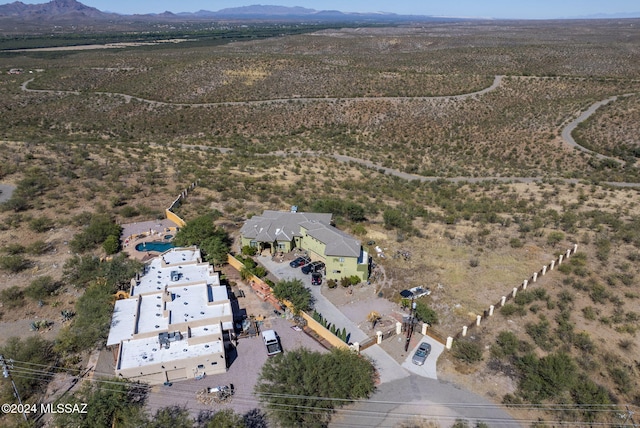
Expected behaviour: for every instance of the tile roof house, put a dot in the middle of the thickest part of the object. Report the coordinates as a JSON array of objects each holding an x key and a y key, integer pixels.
[
  {"x": 283, "y": 231},
  {"x": 175, "y": 324}
]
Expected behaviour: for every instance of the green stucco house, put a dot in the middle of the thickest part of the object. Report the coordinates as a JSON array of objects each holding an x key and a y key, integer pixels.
[{"x": 282, "y": 231}]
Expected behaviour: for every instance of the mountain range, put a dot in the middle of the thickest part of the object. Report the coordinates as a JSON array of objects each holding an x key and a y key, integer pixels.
[{"x": 65, "y": 10}]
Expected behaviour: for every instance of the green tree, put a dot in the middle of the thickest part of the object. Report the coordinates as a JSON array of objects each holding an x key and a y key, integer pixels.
[
  {"x": 172, "y": 416},
  {"x": 27, "y": 354},
  {"x": 226, "y": 418},
  {"x": 295, "y": 292},
  {"x": 91, "y": 324},
  {"x": 213, "y": 241},
  {"x": 554, "y": 238},
  {"x": 112, "y": 402},
  {"x": 299, "y": 380},
  {"x": 111, "y": 245},
  {"x": 545, "y": 378},
  {"x": 100, "y": 227}
]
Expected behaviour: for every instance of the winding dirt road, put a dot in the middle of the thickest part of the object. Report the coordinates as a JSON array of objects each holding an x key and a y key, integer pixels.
[{"x": 497, "y": 82}]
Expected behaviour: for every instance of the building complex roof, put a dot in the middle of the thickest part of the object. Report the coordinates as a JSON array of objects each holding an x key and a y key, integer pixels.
[
  {"x": 274, "y": 226},
  {"x": 176, "y": 292}
]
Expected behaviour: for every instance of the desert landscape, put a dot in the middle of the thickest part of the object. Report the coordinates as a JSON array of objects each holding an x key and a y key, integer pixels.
[{"x": 448, "y": 135}]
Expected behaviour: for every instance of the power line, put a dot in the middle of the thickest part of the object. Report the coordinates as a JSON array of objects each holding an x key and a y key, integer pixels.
[{"x": 7, "y": 374}]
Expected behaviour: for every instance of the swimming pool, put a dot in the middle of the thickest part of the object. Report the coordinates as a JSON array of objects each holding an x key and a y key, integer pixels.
[{"x": 160, "y": 247}]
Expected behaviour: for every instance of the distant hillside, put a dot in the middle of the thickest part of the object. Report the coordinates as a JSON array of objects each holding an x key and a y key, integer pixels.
[
  {"x": 55, "y": 9},
  {"x": 65, "y": 10}
]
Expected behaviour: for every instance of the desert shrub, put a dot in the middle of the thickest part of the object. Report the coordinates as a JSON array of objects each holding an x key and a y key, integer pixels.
[
  {"x": 554, "y": 238},
  {"x": 467, "y": 351},
  {"x": 425, "y": 314},
  {"x": 506, "y": 345},
  {"x": 540, "y": 334},
  {"x": 589, "y": 312},
  {"x": 128, "y": 211},
  {"x": 332, "y": 283},
  {"x": 546, "y": 378},
  {"x": 42, "y": 287},
  {"x": 14, "y": 263},
  {"x": 516, "y": 243},
  {"x": 354, "y": 280},
  {"x": 510, "y": 309},
  {"x": 524, "y": 298},
  {"x": 12, "y": 297},
  {"x": 41, "y": 224},
  {"x": 345, "y": 282},
  {"x": 474, "y": 262},
  {"x": 14, "y": 249},
  {"x": 39, "y": 247}
]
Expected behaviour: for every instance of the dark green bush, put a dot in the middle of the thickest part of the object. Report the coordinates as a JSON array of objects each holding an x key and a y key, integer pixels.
[
  {"x": 42, "y": 287},
  {"x": 14, "y": 263},
  {"x": 467, "y": 351},
  {"x": 12, "y": 297}
]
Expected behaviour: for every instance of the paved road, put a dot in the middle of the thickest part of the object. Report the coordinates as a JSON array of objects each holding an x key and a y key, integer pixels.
[{"x": 416, "y": 397}]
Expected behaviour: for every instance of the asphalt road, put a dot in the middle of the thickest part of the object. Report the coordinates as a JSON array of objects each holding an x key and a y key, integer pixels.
[{"x": 414, "y": 397}]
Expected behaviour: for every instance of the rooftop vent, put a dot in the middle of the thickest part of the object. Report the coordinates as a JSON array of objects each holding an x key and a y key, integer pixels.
[{"x": 175, "y": 275}]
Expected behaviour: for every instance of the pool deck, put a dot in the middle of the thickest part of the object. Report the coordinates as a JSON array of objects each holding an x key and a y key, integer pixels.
[{"x": 145, "y": 231}]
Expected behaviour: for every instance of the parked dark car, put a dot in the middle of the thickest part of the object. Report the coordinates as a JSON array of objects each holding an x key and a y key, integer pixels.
[
  {"x": 300, "y": 261},
  {"x": 312, "y": 267},
  {"x": 421, "y": 354},
  {"x": 316, "y": 278}
]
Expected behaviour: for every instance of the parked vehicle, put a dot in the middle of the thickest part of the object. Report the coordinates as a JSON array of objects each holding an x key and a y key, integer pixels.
[
  {"x": 316, "y": 278},
  {"x": 421, "y": 354},
  {"x": 272, "y": 342},
  {"x": 299, "y": 261},
  {"x": 312, "y": 267}
]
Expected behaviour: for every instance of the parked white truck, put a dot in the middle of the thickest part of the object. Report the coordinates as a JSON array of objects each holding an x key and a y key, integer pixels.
[{"x": 272, "y": 342}]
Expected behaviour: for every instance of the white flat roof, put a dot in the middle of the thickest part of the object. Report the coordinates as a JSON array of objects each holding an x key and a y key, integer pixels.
[
  {"x": 190, "y": 303},
  {"x": 123, "y": 321},
  {"x": 157, "y": 275},
  {"x": 141, "y": 352},
  {"x": 180, "y": 255}
]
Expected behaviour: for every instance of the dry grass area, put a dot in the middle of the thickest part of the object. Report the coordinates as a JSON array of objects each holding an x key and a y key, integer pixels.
[{"x": 471, "y": 243}]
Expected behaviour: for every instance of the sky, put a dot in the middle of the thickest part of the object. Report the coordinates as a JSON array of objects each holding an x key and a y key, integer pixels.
[{"x": 501, "y": 9}]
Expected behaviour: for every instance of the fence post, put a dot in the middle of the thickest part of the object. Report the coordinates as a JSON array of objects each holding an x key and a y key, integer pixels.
[
  {"x": 514, "y": 292},
  {"x": 575, "y": 248},
  {"x": 464, "y": 331},
  {"x": 449, "y": 342},
  {"x": 478, "y": 319},
  {"x": 568, "y": 253},
  {"x": 424, "y": 328},
  {"x": 503, "y": 300},
  {"x": 553, "y": 263},
  {"x": 524, "y": 284},
  {"x": 398, "y": 328},
  {"x": 491, "y": 309},
  {"x": 544, "y": 270},
  {"x": 560, "y": 259},
  {"x": 379, "y": 334},
  {"x": 535, "y": 275}
]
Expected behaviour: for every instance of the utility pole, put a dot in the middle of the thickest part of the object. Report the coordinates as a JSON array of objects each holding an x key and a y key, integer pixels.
[
  {"x": 410, "y": 327},
  {"x": 7, "y": 374}
]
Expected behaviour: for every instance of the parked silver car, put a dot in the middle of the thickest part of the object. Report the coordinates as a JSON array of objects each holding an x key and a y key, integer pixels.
[{"x": 421, "y": 354}]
